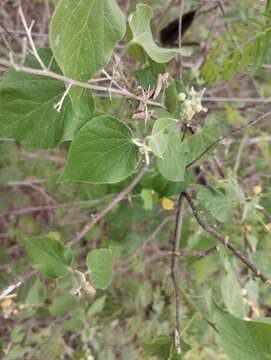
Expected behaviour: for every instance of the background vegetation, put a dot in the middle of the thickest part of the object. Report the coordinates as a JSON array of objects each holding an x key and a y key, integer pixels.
[{"x": 135, "y": 317}]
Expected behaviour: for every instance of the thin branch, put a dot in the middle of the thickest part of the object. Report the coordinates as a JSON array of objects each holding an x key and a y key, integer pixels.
[
  {"x": 58, "y": 106},
  {"x": 121, "y": 196},
  {"x": 198, "y": 254},
  {"x": 234, "y": 131},
  {"x": 18, "y": 282},
  {"x": 236, "y": 99},
  {"x": 224, "y": 240},
  {"x": 49, "y": 207},
  {"x": 195, "y": 309},
  {"x": 150, "y": 238},
  {"x": 180, "y": 39},
  {"x": 30, "y": 39},
  {"x": 174, "y": 269},
  {"x": 239, "y": 154},
  {"x": 91, "y": 86}
]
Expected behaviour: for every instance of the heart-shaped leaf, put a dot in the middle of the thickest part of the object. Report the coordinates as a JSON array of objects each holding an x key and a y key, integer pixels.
[
  {"x": 102, "y": 152},
  {"x": 28, "y": 102},
  {"x": 203, "y": 140},
  {"x": 83, "y": 34},
  {"x": 244, "y": 340},
  {"x": 49, "y": 256},
  {"x": 172, "y": 166},
  {"x": 100, "y": 265},
  {"x": 160, "y": 135}
]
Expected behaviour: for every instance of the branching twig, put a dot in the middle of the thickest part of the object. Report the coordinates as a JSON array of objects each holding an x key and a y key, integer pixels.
[
  {"x": 121, "y": 196},
  {"x": 30, "y": 39},
  {"x": 224, "y": 240},
  {"x": 174, "y": 269},
  {"x": 90, "y": 85},
  {"x": 234, "y": 131},
  {"x": 198, "y": 254}
]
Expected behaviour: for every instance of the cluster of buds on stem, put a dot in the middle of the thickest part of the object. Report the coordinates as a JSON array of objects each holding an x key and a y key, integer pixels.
[{"x": 192, "y": 103}]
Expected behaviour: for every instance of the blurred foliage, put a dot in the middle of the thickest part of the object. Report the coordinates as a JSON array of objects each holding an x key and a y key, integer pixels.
[{"x": 134, "y": 318}]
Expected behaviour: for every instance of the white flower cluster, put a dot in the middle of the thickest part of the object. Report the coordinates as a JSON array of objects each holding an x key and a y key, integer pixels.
[{"x": 192, "y": 103}]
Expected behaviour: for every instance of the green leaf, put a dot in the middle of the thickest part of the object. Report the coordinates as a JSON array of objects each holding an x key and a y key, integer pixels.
[
  {"x": 139, "y": 23},
  {"x": 35, "y": 294},
  {"x": 102, "y": 152},
  {"x": 219, "y": 204},
  {"x": 173, "y": 105},
  {"x": 81, "y": 109},
  {"x": 203, "y": 140},
  {"x": 100, "y": 265},
  {"x": 17, "y": 335},
  {"x": 243, "y": 340},
  {"x": 97, "y": 306},
  {"x": 83, "y": 34},
  {"x": 27, "y": 106},
  {"x": 160, "y": 135},
  {"x": 163, "y": 347},
  {"x": 1, "y": 348},
  {"x": 171, "y": 98},
  {"x": 62, "y": 304},
  {"x": 172, "y": 166},
  {"x": 166, "y": 188},
  {"x": 49, "y": 256},
  {"x": 147, "y": 197},
  {"x": 148, "y": 76},
  {"x": 231, "y": 293}
]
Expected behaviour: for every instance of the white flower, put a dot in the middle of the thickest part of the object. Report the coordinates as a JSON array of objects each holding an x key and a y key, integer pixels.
[{"x": 193, "y": 105}]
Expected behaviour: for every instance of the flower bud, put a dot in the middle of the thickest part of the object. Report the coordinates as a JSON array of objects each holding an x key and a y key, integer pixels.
[
  {"x": 181, "y": 97},
  {"x": 257, "y": 189}
]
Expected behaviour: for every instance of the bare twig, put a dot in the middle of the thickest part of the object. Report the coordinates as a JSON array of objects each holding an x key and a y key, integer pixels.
[
  {"x": 236, "y": 99},
  {"x": 33, "y": 209},
  {"x": 180, "y": 39},
  {"x": 121, "y": 196},
  {"x": 18, "y": 282},
  {"x": 195, "y": 309},
  {"x": 186, "y": 253},
  {"x": 58, "y": 106},
  {"x": 150, "y": 238},
  {"x": 30, "y": 39},
  {"x": 224, "y": 240},
  {"x": 90, "y": 85},
  {"x": 239, "y": 154},
  {"x": 198, "y": 254},
  {"x": 174, "y": 269},
  {"x": 234, "y": 131}
]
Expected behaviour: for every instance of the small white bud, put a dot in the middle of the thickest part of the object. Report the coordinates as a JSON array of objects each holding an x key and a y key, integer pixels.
[
  {"x": 197, "y": 107},
  {"x": 243, "y": 292},
  {"x": 181, "y": 97}
]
